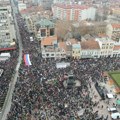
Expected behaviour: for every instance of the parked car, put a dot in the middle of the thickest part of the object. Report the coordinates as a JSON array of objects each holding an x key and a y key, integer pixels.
[
  {"x": 115, "y": 116},
  {"x": 113, "y": 110}
]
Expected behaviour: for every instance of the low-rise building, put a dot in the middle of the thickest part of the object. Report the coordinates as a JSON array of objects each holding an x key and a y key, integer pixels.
[
  {"x": 116, "y": 51},
  {"x": 106, "y": 46},
  {"x": 76, "y": 49},
  {"x": 44, "y": 28},
  {"x": 113, "y": 31},
  {"x": 50, "y": 48},
  {"x": 90, "y": 49}
]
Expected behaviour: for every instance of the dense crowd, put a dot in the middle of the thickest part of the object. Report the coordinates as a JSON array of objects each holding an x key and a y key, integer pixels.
[
  {"x": 34, "y": 98},
  {"x": 8, "y": 68}
]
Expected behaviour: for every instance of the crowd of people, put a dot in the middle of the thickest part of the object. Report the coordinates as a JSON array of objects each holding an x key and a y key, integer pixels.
[
  {"x": 7, "y": 67},
  {"x": 34, "y": 98}
]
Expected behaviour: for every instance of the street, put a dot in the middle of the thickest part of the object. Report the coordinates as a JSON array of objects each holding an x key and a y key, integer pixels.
[{"x": 7, "y": 103}]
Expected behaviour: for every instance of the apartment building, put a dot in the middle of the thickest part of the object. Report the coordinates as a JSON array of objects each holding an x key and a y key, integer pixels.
[
  {"x": 7, "y": 29},
  {"x": 73, "y": 12}
]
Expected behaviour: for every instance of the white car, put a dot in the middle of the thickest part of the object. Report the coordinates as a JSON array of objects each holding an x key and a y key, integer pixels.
[
  {"x": 116, "y": 115},
  {"x": 114, "y": 110}
]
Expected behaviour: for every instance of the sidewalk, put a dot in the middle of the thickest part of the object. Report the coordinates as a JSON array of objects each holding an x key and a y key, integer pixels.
[{"x": 102, "y": 105}]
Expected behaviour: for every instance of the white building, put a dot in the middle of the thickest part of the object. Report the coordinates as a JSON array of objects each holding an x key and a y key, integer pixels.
[
  {"x": 50, "y": 49},
  {"x": 73, "y": 12},
  {"x": 87, "y": 14},
  {"x": 7, "y": 28},
  {"x": 106, "y": 46},
  {"x": 22, "y": 6},
  {"x": 90, "y": 49}
]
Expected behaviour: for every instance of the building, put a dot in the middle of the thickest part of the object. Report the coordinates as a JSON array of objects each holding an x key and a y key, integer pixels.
[
  {"x": 7, "y": 28},
  {"x": 106, "y": 46},
  {"x": 61, "y": 1},
  {"x": 113, "y": 31},
  {"x": 76, "y": 49},
  {"x": 73, "y": 12},
  {"x": 22, "y": 6},
  {"x": 44, "y": 28},
  {"x": 46, "y": 4},
  {"x": 115, "y": 11},
  {"x": 116, "y": 51},
  {"x": 90, "y": 49},
  {"x": 50, "y": 48}
]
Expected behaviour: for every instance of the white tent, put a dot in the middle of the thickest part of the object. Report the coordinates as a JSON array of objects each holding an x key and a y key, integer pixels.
[
  {"x": 110, "y": 96},
  {"x": 5, "y": 55},
  {"x": 62, "y": 65}
]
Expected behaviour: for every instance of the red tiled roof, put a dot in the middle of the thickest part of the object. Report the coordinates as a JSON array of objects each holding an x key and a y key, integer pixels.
[
  {"x": 48, "y": 40},
  {"x": 116, "y": 25},
  {"x": 62, "y": 45},
  {"x": 102, "y": 35},
  {"x": 117, "y": 47},
  {"x": 75, "y": 6},
  {"x": 90, "y": 44}
]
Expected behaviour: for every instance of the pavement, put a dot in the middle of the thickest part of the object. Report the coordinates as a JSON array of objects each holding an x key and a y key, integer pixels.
[
  {"x": 103, "y": 104},
  {"x": 8, "y": 100}
]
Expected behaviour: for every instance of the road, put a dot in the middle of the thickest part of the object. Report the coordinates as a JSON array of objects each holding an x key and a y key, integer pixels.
[{"x": 8, "y": 100}]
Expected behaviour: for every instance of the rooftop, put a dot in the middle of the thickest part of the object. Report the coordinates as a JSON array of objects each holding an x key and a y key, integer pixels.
[
  {"x": 116, "y": 25},
  {"x": 63, "y": 46},
  {"x": 48, "y": 40},
  {"x": 104, "y": 39},
  {"x": 117, "y": 47},
  {"x": 73, "y": 6},
  {"x": 44, "y": 23},
  {"x": 90, "y": 44},
  {"x": 76, "y": 46}
]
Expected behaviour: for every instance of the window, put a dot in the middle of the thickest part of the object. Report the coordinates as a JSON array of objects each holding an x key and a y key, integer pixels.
[
  {"x": 52, "y": 54},
  {"x": 51, "y": 31},
  {"x": 43, "y": 32},
  {"x": 47, "y": 55}
]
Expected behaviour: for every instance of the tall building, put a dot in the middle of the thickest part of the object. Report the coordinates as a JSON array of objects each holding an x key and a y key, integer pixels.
[
  {"x": 7, "y": 29},
  {"x": 46, "y": 4},
  {"x": 74, "y": 12}
]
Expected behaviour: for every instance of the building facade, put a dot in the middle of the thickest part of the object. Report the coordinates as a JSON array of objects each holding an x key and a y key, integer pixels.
[
  {"x": 113, "y": 31},
  {"x": 44, "y": 28},
  {"x": 7, "y": 28},
  {"x": 76, "y": 49},
  {"x": 90, "y": 49},
  {"x": 74, "y": 12},
  {"x": 50, "y": 48},
  {"x": 106, "y": 46}
]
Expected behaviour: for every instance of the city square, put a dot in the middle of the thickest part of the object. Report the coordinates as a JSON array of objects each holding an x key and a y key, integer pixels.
[{"x": 59, "y": 60}]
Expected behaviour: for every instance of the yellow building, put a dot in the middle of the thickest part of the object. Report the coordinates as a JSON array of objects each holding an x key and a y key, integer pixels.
[{"x": 76, "y": 51}]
